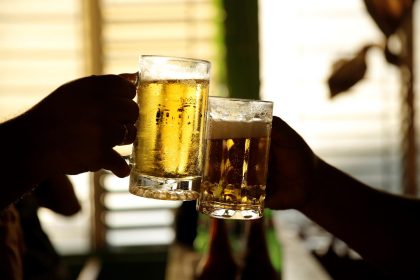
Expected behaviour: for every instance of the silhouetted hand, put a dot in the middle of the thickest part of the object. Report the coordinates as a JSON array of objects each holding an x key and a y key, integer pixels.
[
  {"x": 83, "y": 120},
  {"x": 72, "y": 130},
  {"x": 382, "y": 227},
  {"x": 291, "y": 168}
]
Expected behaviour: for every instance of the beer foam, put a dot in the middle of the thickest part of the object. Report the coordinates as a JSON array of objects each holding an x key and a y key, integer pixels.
[{"x": 220, "y": 129}]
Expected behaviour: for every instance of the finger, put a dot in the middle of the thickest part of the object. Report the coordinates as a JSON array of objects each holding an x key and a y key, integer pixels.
[
  {"x": 129, "y": 135},
  {"x": 114, "y": 85},
  {"x": 118, "y": 134},
  {"x": 278, "y": 129},
  {"x": 112, "y": 134},
  {"x": 271, "y": 172},
  {"x": 131, "y": 77},
  {"x": 282, "y": 135},
  {"x": 121, "y": 110},
  {"x": 115, "y": 163}
]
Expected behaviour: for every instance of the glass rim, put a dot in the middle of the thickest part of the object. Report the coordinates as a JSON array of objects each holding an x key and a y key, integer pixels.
[
  {"x": 245, "y": 100},
  {"x": 168, "y": 57}
]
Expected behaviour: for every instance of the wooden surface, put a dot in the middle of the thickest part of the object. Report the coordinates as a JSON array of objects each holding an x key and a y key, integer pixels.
[{"x": 298, "y": 263}]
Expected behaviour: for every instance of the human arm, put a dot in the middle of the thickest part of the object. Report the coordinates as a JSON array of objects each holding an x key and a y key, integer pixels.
[
  {"x": 383, "y": 228},
  {"x": 72, "y": 130}
]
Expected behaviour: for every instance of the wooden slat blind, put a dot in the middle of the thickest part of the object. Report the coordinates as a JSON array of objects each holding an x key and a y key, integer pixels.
[
  {"x": 180, "y": 28},
  {"x": 39, "y": 49},
  {"x": 357, "y": 131},
  {"x": 44, "y": 44}
]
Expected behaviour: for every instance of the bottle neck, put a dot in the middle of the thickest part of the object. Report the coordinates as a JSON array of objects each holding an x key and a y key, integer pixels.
[
  {"x": 257, "y": 263},
  {"x": 219, "y": 240},
  {"x": 186, "y": 220},
  {"x": 219, "y": 262},
  {"x": 257, "y": 241}
]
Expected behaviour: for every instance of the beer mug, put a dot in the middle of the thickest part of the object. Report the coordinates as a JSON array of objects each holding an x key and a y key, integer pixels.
[
  {"x": 236, "y": 158},
  {"x": 167, "y": 155}
]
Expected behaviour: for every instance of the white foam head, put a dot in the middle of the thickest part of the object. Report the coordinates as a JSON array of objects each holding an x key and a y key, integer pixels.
[{"x": 219, "y": 129}]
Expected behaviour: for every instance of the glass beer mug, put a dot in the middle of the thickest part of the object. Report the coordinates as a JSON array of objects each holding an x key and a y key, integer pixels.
[
  {"x": 236, "y": 158},
  {"x": 167, "y": 155}
]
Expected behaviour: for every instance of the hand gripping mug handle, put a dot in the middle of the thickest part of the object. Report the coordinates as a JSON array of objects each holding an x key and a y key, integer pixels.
[{"x": 133, "y": 78}]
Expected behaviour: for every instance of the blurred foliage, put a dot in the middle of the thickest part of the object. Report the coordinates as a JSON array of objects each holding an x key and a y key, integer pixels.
[
  {"x": 388, "y": 15},
  {"x": 242, "y": 48}
]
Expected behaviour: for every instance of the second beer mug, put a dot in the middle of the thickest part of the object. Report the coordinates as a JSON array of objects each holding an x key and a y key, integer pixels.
[
  {"x": 236, "y": 158},
  {"x": 167, "y": 154}
]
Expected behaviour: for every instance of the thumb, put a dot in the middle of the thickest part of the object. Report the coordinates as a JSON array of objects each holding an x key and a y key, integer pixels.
[
  {"x": 131, "y": 77},
  {"x": 114, "y": 162}
]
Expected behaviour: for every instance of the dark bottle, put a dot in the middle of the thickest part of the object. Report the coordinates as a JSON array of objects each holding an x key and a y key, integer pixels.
[
  {"x": 219, "y": 263},
  {"x": 179, "y": 260},
  {"x": 186, "y": 219},
  {"x": 257, "y": 261}
]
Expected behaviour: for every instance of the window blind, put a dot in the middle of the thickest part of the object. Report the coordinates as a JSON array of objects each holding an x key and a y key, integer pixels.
[
  {"x": 358, "y": 131},
  {"x": 41, "y": 48},
  {"x": 43, "y": 44},
  {"x": 186, "y": 28}
]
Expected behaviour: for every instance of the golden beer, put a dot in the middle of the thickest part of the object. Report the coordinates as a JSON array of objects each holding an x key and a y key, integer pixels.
[
  {"x": 235, "y": 169},
  {"x": 170, "y": 131}
]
